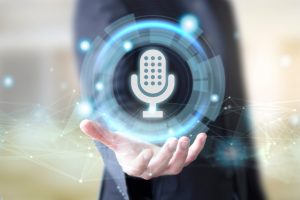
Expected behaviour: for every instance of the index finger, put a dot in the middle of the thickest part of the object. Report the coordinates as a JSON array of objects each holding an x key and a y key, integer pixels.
[{"x": 95, "y": 131}]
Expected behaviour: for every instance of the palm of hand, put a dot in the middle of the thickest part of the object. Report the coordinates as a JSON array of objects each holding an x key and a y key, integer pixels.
[{"x": 146, "y": 160}]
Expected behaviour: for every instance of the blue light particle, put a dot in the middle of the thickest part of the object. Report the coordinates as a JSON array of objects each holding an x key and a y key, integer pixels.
[
  {"x": 99, "y": 86},
  {"x": 85, "y": 108},
  {"x": 8, "y": 82},
  {"x": 127, "y": 45},
  {"x": 189, "y": 23},
  {"x": 214, "y": 98},
  {"x": 85, "y": 45},
  {"x": 231, "y": 153},
  {"x": 171, "y": 131}
]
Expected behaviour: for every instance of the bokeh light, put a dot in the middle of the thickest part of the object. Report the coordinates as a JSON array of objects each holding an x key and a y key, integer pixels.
[
  {"x": 127, "y": 45},
  {"x": 99, "y": 86},
  {"x": 189, "y": 23},
  {"x": 214, "y": 98},
  {"x": 231, "y": 153},
  {"x": 85, "y": 45},
  {"x": 8, "y": 81},
  {"x": 85, "y": 108}
]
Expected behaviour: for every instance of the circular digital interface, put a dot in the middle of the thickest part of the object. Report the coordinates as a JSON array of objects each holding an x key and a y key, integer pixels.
[
  {"x": 173, "y": 105},
  {"x": 157, "y": 80}
]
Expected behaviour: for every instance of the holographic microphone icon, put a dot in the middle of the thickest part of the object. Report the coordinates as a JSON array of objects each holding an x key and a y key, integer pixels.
[{"x": 152, "y": 86}]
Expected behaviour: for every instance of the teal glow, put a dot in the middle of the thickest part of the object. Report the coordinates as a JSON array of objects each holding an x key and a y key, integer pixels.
[
  {"x": 99, "y": 86},
  {"x": 101, "y": 62},
  {"x": 127, "y": 45},
  {"x": 153, "y": 24},
  {"x": 189, "y": 23},
  {"x": 214, "y": 98},
  {"x": 85, "y": 108},
  {"x": 85, "y": 45},
  {"x": 8, "y": 82},
  {"x": 161, "y": 25}
]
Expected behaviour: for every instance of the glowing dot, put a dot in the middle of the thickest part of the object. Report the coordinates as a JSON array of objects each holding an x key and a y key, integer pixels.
[
  {"x": 127, "y": 45},
  {"x": 85, "y": 108},
  {"x": 214, "y": 98},
  {"x": 99, "y": 86},
  {"x": 285, "y": 61},
  {"x": 85, "y": 45},
  {"x": 90, "y": 155},
  {"x": 189, "y": 23},
  {"x": 170, "y": 131},
  {"x": 80, "y": 180},
  {"x": 8, "y": 82}
]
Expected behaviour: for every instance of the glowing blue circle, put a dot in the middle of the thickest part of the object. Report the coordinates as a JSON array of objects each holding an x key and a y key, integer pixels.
[
  {"x": 153, "y": 24},
  {"x": 159, "y": 24},
  {"x": 101, "y": 63}
]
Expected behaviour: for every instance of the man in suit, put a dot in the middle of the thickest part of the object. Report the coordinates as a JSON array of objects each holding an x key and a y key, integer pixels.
[{"x": 191, "y": 175}]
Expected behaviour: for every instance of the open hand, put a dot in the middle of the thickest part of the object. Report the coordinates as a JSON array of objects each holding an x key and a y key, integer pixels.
[{"x": 146, "y": 160}]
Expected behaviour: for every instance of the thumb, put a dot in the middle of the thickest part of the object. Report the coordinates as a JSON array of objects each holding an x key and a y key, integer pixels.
[{"x": 97, "y": 132}]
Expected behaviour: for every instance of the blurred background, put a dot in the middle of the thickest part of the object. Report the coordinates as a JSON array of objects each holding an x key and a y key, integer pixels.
[{"x": 43, "y": 155}]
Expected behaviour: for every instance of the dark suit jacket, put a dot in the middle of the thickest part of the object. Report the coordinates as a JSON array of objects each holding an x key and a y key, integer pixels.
[{"x": 206, "y": 178}]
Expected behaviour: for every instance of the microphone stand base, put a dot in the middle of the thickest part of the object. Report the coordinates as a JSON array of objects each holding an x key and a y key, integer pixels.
[{"x": 153, "y": 114}]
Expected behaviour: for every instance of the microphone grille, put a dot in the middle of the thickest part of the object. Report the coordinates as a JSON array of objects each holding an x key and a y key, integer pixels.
[{"x": 152, "y": 68}]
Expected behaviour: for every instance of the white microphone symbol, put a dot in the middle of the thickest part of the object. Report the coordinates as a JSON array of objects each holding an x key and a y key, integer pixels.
[{"x": 152, "y": 85}]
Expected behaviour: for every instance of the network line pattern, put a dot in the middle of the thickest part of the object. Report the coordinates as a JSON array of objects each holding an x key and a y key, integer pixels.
[{"x": 49, "y": 137}]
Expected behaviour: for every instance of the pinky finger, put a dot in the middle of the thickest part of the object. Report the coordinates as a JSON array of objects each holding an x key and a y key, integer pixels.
[{"x": 196, "y": 148}]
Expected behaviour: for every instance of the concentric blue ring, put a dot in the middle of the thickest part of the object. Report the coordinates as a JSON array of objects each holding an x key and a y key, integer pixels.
[{"x": 104, "y": 56}]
